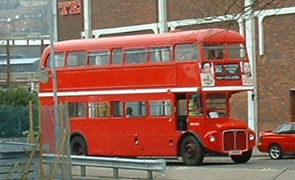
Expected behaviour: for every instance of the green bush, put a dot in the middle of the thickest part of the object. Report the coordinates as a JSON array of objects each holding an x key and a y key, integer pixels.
[
  {"x": 17, "y": 96},
  {"x": 14, "y": 111}
]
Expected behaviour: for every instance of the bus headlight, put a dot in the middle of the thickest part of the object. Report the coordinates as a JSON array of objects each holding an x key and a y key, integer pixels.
[
  {"x": 212, "y": 139},
  {"x": 251, "y": 137}
]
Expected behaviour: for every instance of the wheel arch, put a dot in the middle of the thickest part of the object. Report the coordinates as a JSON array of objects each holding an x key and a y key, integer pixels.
[
  {"x": 188, "y": 133},
  {"x": 79, "y": 134},
  {"x": 274, "y": 143}
]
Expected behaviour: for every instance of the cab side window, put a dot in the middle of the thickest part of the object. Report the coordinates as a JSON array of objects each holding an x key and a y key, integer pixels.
[{"x": 195, "y": 107}]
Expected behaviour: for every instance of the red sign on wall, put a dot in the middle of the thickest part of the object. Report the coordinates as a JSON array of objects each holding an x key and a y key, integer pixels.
[{"x": 69, "y": 7}]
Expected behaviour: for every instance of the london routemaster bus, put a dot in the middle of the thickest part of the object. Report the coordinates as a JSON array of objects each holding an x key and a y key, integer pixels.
[{"x": 153, "y": 95}]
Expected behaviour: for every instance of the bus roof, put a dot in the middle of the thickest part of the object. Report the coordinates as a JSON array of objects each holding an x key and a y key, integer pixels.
[{"x": 200, "y": 36}]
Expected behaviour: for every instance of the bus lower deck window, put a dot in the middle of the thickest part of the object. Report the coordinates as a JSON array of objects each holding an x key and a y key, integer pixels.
[
  {"x": 77, "y": 110},
  {"x": 160, "y": 108},
  {"x": 135, "y": 109}
]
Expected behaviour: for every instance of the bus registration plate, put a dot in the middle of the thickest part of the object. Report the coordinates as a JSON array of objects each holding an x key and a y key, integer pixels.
[{"x": 231, "y": 153}]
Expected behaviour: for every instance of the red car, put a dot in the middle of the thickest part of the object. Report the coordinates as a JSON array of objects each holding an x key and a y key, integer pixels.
[{"x": 279, "y": 141}]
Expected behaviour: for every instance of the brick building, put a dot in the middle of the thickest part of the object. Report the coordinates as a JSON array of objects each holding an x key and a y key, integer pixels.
[{"x": 274, "y": 34}]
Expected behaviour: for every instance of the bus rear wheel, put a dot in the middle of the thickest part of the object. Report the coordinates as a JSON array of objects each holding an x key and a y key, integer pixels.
[
  {"x": 245, "y": 157},
  {"x": 192, "y": 152},
  {"x": 78, "y": 146}
]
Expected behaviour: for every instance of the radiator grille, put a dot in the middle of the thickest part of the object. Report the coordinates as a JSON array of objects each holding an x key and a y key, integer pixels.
[{"x": 235, "y": 140}]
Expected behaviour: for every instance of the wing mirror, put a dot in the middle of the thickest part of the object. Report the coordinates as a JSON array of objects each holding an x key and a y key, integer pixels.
[{"x": 42, "y": 75}]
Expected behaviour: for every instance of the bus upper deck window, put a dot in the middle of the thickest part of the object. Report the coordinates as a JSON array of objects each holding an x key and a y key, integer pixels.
[
  {"x": 99, "y": 58},
  {"x": 59, "y": 60},
  {"x": 117, "y": 56},
  {"x": 236, "y": 51},
  {"x": 213, "y": 51},
  {"x": 160, "y": 54},
  {"x": 75, "y": 59},
  {"x": 186, "y": 52},
  {"x": 135, "y": 56}
]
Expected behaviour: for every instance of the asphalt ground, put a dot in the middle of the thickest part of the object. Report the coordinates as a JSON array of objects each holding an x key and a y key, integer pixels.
[{"x": 260, "y": 167}]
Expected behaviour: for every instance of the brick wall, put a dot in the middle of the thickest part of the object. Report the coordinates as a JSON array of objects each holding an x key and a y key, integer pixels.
[
  {"x": 275, "y": 71},
  {"x": 118, "y": 13},
  {"x": 69, "y": 26}
]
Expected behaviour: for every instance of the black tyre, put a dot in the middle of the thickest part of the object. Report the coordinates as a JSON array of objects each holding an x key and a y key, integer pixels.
[
  {"x": 245, "y": 157},
  {"x": 275, "y": 152},
  {"x": 192, "y": 152},
  {"x": 78, "y": 146}
]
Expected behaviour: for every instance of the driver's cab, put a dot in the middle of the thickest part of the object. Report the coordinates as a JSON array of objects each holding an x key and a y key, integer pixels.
[
  {"x": 202, "y": 106},
  {"x": 216, "y": 105}
]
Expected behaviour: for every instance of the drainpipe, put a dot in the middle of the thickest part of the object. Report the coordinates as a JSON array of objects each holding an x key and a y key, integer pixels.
[
  {"x": 250, "y": 41},
  {"x": 87, "y": 19},
  {"x": 162, "y": 10}
]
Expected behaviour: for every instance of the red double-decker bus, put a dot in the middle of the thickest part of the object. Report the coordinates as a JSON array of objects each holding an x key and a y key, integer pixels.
[{"x": 163, "y": 95}]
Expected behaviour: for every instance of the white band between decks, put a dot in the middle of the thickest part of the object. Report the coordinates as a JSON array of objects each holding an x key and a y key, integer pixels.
[
  {"x": 145, "y": 91},
  {"x": 118, "y": 92}
]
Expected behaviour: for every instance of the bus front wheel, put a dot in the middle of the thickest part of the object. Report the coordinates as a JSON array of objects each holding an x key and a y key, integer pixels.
[
  {"x": 78, "y": 146},
  {"x": 192, "y": 152},
  {"x": 245, "y": 157}
]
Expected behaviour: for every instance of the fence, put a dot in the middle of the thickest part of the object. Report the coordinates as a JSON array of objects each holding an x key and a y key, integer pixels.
[
  {"x": 14, "y": 121},
  {"x": 149, "y": 165},
  {"x": 55, "y": 140}
]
